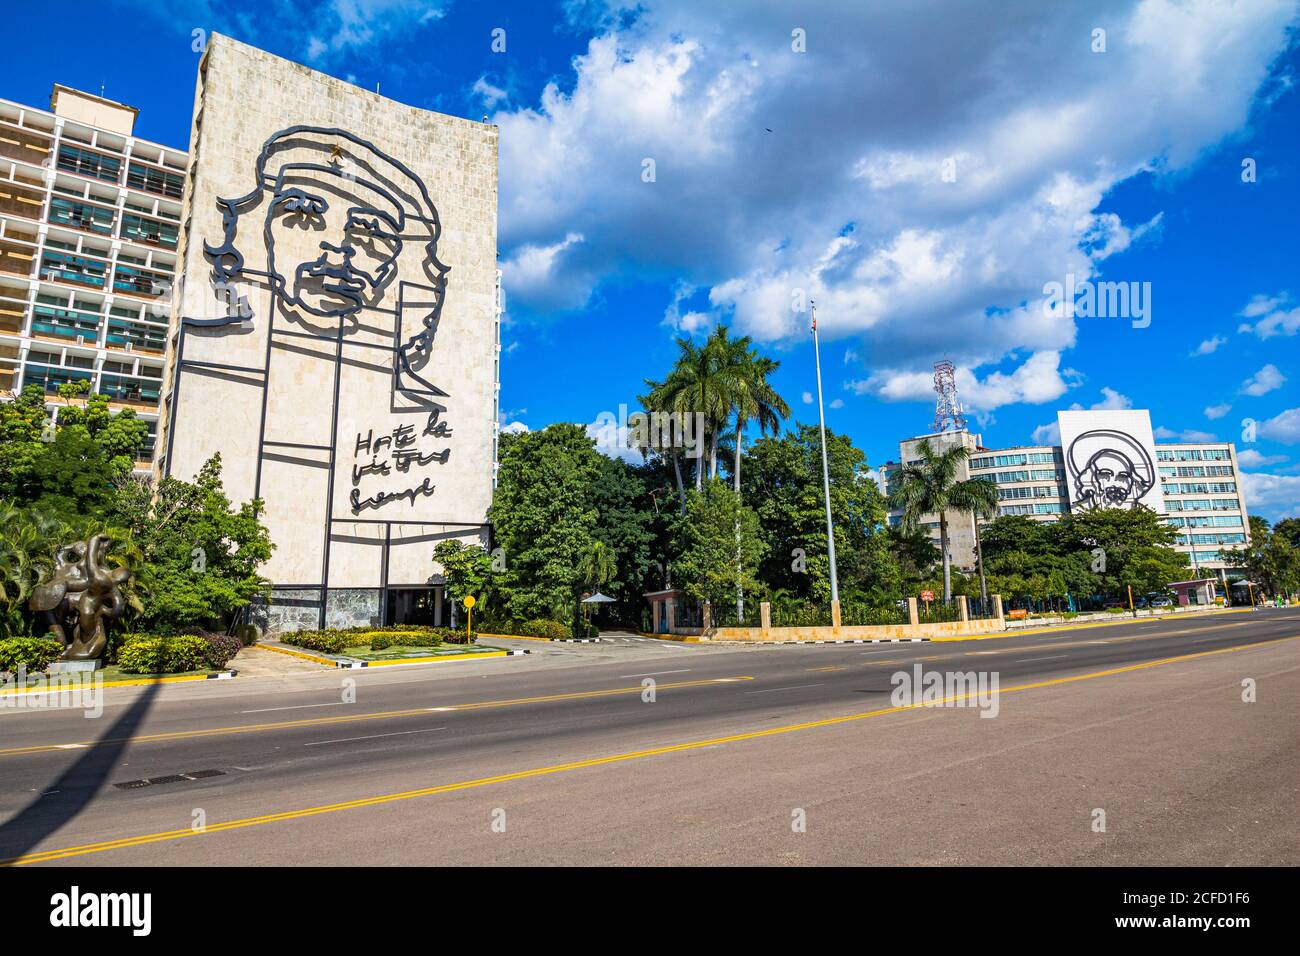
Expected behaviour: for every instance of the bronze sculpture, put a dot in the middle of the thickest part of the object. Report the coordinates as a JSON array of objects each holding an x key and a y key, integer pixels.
[{"x": 81, "y": 596}]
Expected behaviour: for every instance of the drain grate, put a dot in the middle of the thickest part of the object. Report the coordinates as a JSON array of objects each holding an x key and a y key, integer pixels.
[{"x": 169, "y": 778}]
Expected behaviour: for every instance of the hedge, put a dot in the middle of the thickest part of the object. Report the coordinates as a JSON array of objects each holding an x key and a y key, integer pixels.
[
  {"x": 147, "y": 654},
  {"x": 33, "y": 654},
  {"x": 538, "y": 627},
  {"x": 329, "y": 642}
]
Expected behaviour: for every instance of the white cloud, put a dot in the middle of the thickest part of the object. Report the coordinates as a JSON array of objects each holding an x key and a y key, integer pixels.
[
  {"x": 1161, "y": 433},
  {"x": 345, "y": 26},
  {"x": 534, "y": 273},
  {"x": 1049, "y": 434},
  {"x": 1217, "y": 411},
  {"x": 1250, "y": 458},
  {"x": 837, "y": 403},
  {"x": 807, "y": 398},
  {"x": 1272, "y": 496},
  {"x": 691, "y": 322},
  {"x": 1209, "y": 346},
  {"x": 514, "y": 428},
  {"x": 1272, "y": 318},
  {"x": 1110, "y": 399},
  {"x": 1263, "y": 381},
  {"x": 1283, "y": 427},
  {"x": 1037, "y": 380},
  {"x": 863, "y": 220},
  {"x": 491, "y": 95}
]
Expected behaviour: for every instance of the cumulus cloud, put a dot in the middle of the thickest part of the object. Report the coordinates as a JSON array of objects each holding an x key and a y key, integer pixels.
[
  {"x": 1209, "y": 346},
  {"x": 1049, "y": 434},
  {"x": 1217, "y": 411},
  {"x": 1263, "y": 381},
  {"x": 534, "y": 273},
  {"x": 489, "y": 93},
  {"x": 1271, "y": 496},
  {"x": 1271, "y": 316},
  {"x": 1162, "y": 433},
  {"x": 514, "y": 428},
  {"x": 754, "y": 200},
  {"x": 1250, "y": 458},
  {"x": 1110, "y": 399},
  {"x": 1283, "y": 427},
  {"x": 1037, "y": 380}
]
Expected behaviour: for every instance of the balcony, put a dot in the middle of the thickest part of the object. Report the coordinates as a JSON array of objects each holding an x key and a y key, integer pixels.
[
  {"x": 17, "y": 201},
  {"x": 15, "y": 259},
  {"x": 24, "y": 146}
]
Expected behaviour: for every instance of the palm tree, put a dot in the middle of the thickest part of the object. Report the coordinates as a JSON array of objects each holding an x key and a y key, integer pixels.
[
  {"x": 696, "y": 386},
  {"x": 597, "y": 565},
  {"x": 987, "y": 509},
  {"x": 931, "y": 487}
]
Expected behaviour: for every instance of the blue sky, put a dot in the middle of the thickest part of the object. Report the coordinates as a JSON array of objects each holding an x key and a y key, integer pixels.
[{"x": 923, "y": 170}]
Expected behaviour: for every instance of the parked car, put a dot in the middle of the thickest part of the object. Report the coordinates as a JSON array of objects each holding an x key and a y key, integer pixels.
[
  {"x": 1159, "y": 600},
  {"x": 1114, "y": 603}
]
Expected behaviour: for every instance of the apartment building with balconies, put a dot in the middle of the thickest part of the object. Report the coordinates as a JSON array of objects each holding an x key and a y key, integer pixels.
[{"x": 89, "y": 219}]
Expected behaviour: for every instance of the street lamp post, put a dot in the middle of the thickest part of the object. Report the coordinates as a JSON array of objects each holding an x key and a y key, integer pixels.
[{"x": 826, "y": 471}]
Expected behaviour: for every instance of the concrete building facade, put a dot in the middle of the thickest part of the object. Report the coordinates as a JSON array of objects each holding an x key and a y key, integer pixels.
[
  {"x": 1106, "y": 459},
  {"x": 336, "y": 333},
  {"x": 89, "y": 223}
]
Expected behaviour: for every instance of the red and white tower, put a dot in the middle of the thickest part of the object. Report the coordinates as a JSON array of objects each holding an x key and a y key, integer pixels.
[{"x": 948, "y": 415}]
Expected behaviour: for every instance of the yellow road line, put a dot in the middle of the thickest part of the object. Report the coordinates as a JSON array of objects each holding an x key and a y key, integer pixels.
[
  {"x": 125, "y": 842},
  {"x": 343, "y": 719}
]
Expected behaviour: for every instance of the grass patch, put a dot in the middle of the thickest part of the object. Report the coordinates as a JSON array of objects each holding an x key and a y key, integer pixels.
[{"x": 113, "y": 673}]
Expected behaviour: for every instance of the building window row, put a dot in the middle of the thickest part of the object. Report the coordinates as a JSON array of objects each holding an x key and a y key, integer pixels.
[
  {"x": 1207, "y": 521},
  {"x": 1192, "y": 454},
  {"x": 1204, "y": 504},
  {"x": 1199, "y": 487},
  {"x": 1032, "y": 491}
]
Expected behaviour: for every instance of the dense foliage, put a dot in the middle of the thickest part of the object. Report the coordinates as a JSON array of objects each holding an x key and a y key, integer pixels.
[{"x": 1272, "y": 561}]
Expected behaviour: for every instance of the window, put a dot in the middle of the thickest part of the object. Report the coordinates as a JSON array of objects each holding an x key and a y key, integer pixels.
[
  {"x": 79, "y": 215},
  {"x": 67, "y": 268},
  {"x": 72, "y": 159},
  {"x": 63, "y": 323},
  {"x": 152, "y": 180},
  {"x": 139, "y": 229}
]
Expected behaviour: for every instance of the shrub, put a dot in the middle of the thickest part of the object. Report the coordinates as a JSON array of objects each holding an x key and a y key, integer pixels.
[
  {"x": 31, "y": 653},
  {"x": 144, "y": 654},
  {"x": 248, "y": 634},
  {"x": 221, "y": 649},
  {"x": 330, "y": 642}
]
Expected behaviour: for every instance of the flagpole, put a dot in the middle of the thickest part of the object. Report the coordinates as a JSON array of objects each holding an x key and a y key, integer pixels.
[{"x": 826, "y": 472}]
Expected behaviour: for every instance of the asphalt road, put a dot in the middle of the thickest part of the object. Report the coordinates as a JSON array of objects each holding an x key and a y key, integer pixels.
[{"x": 749, "y": 754}]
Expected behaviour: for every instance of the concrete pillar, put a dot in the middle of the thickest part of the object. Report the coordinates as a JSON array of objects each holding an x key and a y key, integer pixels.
[
  {"x": 708, "y": 615},
  {"x": 835, "y": 617},
  {"x": 997, "y": 609},
  {"x": 765, "y": 617},
  {"x": 963, "y": 608},
  {"x": 912, "y": 617},
  {"x": 672, "y": 614},
  {"x": 654, "y": 617}
]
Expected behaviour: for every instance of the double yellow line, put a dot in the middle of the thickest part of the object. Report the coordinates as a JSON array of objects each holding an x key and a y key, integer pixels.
[{"x": 125, "y": 842}]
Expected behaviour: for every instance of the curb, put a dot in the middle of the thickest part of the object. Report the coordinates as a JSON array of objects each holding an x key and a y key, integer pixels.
[
  {"x": 143, "y": 681},
  {"x": 1053, "y": 629},
  {"x": 679, "y": 638},
  {"x": 544, "y": 640},
  {"x": 353, "y": 664},
  {"x": 861, "y": 640},
  {"x": 303, "y": 655}
]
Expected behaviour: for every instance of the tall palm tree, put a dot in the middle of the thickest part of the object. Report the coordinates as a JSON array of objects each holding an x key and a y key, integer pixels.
[
  {"x": 696, "y": 387},
  {"x": 753, "y": 399},
  {"x": 659, "y": 401},
  {"x": 597, "y": 565},
  {"x": 931, "y": 487},
  {"x": 988, "y": 509}
]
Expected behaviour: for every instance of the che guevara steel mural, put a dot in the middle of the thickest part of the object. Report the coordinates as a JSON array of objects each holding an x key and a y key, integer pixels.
[
  {"x": 374, "y": 262},
  {"x": 1108, "y": 469}
]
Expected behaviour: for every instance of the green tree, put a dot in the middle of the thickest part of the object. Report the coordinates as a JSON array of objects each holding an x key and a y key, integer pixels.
[
  {"x": 200, "y": 555},
  {"x": 544, "y": 518},
  {"x": 1271, "y": 562},
  {"x": 467, "y": 570},
  {"x": 70, "y": 469},
  {"x": 1127, "y": 548},
  {"x": 718, "y": 527},
  {"x": 783, "y": 480},
  {"x": 931, "y": 487}
]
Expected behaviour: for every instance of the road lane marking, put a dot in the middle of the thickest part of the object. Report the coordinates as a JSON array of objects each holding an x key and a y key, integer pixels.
[
  {"x": 267, "y": 710},
  {"x": 1026, "y": 660},
  {"x": 348, "y": 740},
  {"x": 147, "y": 838},
  {"x": 323, "y": 721},
  {"x": 773, "y": 690},
  {"x": 681, "y": 670}
]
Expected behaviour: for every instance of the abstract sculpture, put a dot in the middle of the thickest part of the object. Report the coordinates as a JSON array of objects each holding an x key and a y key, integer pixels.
[{"x": 81, "y": 596}]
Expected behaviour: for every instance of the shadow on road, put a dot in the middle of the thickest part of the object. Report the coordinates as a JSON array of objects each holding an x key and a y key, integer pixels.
[{"x": 72, "y": 792}]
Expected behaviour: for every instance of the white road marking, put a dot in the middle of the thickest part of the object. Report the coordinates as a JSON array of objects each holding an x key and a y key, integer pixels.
[
  {"x": 70, "y": 746},
  {"x": 772, "y": 690},
  {"x": 400, "y": 733},
  {"x": 267, "y": 710}
]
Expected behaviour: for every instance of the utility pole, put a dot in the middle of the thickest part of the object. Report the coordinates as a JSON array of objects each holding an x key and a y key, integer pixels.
[{"x": 826, "y": 471}]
